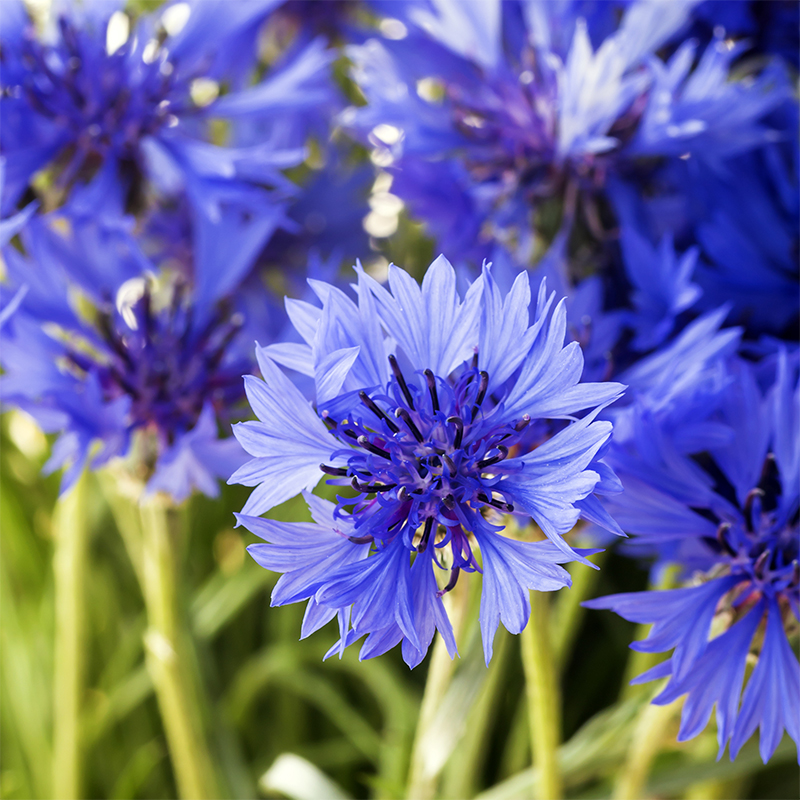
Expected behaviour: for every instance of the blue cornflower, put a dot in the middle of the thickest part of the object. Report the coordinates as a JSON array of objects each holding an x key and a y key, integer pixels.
[
  {"x": 435, "y": 413},
  {"x": 724, "y": 503},
  {"x": 501, "y": 107},
  {"x": 695, "y": 108},
  {"x": 744, "y": 221},
  {"x": 105, "y": 348},
  {"x": 138, "y": 107}
]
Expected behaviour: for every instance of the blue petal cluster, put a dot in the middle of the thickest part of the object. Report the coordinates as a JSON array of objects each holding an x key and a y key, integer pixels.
[
  {"x": 157, "y": 163},
  {"x": 497, "y": 108},
  {"x": 723, "y": 500},
  {"x": 436, "y": 412}
]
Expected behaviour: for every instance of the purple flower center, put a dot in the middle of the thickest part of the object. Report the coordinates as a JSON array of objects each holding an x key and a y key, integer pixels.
[
  {"x": 168, "y": 366},
  {"x": 425, "y": 452},
  {"x": 762, "y": 544},
  {"x": 104, "y": 103}
]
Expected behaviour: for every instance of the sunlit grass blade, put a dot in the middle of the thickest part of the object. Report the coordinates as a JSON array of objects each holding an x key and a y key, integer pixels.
[{"x": 71, "y": 535}]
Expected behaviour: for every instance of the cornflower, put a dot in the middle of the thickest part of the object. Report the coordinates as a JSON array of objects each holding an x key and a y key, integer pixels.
[{"x": 436, "y": 416}]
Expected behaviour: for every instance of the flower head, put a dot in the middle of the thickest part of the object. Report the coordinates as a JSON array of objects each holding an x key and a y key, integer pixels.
[
  {"x": 137, "y": 99},
  {"x": 729, "y": 514},
  {"x": 114, "y": 349},
  {"x": 507, "y": 109},
  {"x": 438, "y": 414}
]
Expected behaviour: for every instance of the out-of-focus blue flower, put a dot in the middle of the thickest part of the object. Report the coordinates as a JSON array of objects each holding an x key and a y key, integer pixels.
[
  {"x": 104, "y": 347},
  {"x": 92, "y": 100},
  {"x": 430, "y": 408},
  {"x": 730, "y": 514},
  {"x": 698, "y": 110},
  {"x": 745, "y": 222},
  {"x": 325, "y": 218},
  {"x": 501, "y": 106},
  {"x": 771, "y": 28},
  {"x": 661, "y": 282}
]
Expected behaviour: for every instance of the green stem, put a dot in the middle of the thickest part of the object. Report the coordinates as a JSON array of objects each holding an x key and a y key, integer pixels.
[
  {"x": 648, "y": 737},
  {"x": 169, "y": 658},
  {"x": 568, "y": 612},
  {"x": 468, "y": 762},
  {"x": 69, "y": 564},
  {"x": 541, "y": 686},
  {"x": 421, "y": 783}
]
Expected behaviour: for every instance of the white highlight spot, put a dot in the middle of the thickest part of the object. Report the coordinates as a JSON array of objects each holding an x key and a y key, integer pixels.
[
  {"x": 380, "y": 226},
  {"x": 128, "y": 295},
  {"x": 297, "y": 778},
  {"x": 430, "y": 89},
  {"x": 388, "y": 134},
  {"x": 204, "y": 91},
  {"x": 150, "y": 51},
  {"x": 393, "y": 29},
  {"x": 117, "y": 32},
  {"x": 175, "y": 17}
]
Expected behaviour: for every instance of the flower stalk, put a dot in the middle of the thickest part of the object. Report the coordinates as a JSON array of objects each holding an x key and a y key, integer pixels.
[
  {"x": 169, "y": 657},
  {"x": 648, "y": 738},
  {"x": 421, "y": 783},
  {"x": 69, "y": 566},
  {"x": 543, "y": 697}
]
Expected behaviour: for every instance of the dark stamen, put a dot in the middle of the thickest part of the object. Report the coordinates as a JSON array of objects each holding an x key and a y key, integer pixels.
[
  {"x": 523, "y": 423},
  {"x": 369, "y": 488},
  {"x": 450, "y": 465},
  {"x": 459, "y": 423},
  {"x": 770, "y": 483},
  {"x": 370, "y": 404},
  {"x": 361, "y": 539},
  {"x": 748, "y": 507},
  {"x": 722, "y": 538},
  {"x": 482, "y": 387},
  {"x": 795, "y": 573},
  {"x": 449, "y": 501},
  {"x": 761, "y": 563},
  {"x": 507, "y": 507},
  {"x": 406, "y": 417},
  {"x": 328, "y": 470},
  {"x": 431, "y": 379},
  {"x": 401, "y": 381},
  {"x": 349, "y": 432},
  {"x": 330, "y": 423},
  {"x": 451, "y": 584},
  {"x": 403, "y": 495},
  {"x": 373, "y": 448},
  {"x": 494, "y": 459},
  {"x": 426, "y": 535}
]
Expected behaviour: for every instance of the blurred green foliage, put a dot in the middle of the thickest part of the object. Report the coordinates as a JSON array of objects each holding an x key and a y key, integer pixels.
[{"x": 272, "y": 694}]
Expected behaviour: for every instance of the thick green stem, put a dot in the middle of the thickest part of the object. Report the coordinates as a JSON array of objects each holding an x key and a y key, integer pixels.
[
  {"x": 648, "y": 738},
  {"x": 169, "y": 658},
  {"x": 568, "y": 612},
  {"x": 544, "y": 702},
  {"x": 69, "y": 564},
  {"x": 421, "y": 783}
]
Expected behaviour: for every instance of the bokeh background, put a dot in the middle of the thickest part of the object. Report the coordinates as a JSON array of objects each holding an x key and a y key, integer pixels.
[{"x": 282, "y": 722}]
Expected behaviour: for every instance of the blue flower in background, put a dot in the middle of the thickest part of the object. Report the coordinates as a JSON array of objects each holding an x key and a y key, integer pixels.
[
  {"x": 435, "y": 412},
  {"x": 744, "y": 221},
  {"x": 504, "y": 106},
  {"x": 725, "y": 506},
  {"x": 97, "y": 101},
  {"x": 104, "y": 347}
]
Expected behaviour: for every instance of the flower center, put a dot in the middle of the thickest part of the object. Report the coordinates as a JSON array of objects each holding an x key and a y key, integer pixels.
[
  {"x": 168, "y": 366},
  {"x": 425, "y": 452},
  {"x": 763, "y": 545}
]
